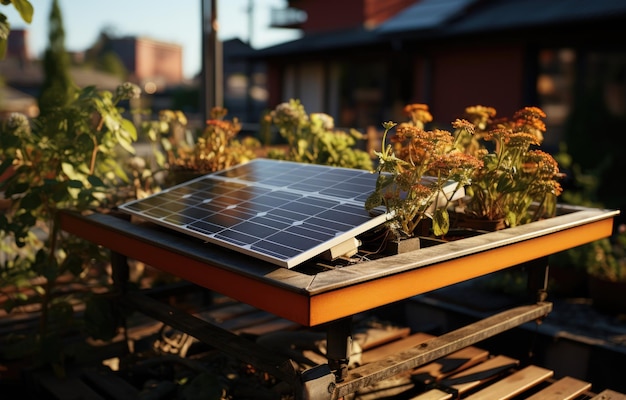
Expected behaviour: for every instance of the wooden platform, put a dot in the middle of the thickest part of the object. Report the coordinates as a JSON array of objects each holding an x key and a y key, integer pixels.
[{"x": 470, "y": 373}]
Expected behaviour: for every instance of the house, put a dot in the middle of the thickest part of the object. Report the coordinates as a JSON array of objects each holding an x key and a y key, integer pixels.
[{"x": 362, "y": 60}]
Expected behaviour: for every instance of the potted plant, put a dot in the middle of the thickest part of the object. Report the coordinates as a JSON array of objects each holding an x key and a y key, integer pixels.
[
  {"x": 313, "y": 138},
  {"x": 420, "y": 172},
  {"x": 517, "y": 183},
  {"x": 184, "y": 156}
]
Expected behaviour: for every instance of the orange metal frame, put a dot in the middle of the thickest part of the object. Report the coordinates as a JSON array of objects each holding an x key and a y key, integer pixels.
[{"x": 312, "y": 300}]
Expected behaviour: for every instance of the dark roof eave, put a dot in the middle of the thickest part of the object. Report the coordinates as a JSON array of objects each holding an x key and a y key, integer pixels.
[{"x": 334, "y": 41}]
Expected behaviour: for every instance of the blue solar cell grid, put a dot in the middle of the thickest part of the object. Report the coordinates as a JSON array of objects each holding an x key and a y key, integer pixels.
[{"x": 282, "y": 212}]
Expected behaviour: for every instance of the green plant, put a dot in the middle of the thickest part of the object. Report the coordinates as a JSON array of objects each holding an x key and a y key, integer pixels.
[
  {"x": 606, "y": 258},
  {"x": 314, "y": 139},
  {"x": 57, "y": 88},
  {"x": 517, "y": 182},
  {"x": 66, "y": 159},
  {"x": 25, "y": 9},
  {"x": 217, "y": 147},
  {"x": 415, "y": 170}
]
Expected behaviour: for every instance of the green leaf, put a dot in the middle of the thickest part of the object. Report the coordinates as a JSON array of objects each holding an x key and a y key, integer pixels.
[
  {"x": 68, "y": 169},
  {"x": 374, "y": 200},
  {"x": 127, "y": 145},
  {"x": 511, "y": 218},
  {"x": 30, "y": 201},
  {"x": 95, "y": 181},
  {"x": 441, "y": 222},
  {"x": 25, "y": 9},
  {"x": 3, "y": 48},
  {"x": 130, "y": 129},
  {"x": 60, "y": 193},
  {"x": 75, "y": 183}
]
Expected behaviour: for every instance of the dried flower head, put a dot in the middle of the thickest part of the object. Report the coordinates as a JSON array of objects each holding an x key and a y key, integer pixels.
[
  {"x": 418, "y": 114},
  {"x": 480, "y": 116},
  {"x": 127, "y": 91},
  {"x": 326, "y": 121},
  {"x": 514, "y": 175}
]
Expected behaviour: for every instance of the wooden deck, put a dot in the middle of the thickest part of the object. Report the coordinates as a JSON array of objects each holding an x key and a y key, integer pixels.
[{"x": 470, "y": 373}]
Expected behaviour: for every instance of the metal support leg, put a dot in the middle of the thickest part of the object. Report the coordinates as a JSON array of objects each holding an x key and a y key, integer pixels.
[
  {"x": 538, "y": 278},
  {"x": 339, "y": 346},
  {"x": 119, "y": 272}
]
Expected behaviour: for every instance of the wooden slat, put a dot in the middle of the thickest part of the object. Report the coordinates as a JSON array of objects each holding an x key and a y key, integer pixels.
[
  {"x": 248, "y": 320},
  {"x": 226, "y": 312},
  {"x": 277, "y": 324},
  {"x": 380, "y": 352},
  {"x": 451, "y": 364},
  {"x": 513, "y": 384},
  {"x": 433, "y": 394},
  {"x": 479, "y": 374},
  {"x": 374, "y": 337},
  {"x": 566, "y": 388},
  {"x": 609, "y": 395}
]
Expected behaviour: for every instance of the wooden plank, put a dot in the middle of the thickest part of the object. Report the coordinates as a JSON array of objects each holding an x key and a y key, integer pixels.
[
  {"x": 566, "y": 388},
  {"x": 374, "y": 337},
  {"x": 609, "y": 395},
  {"x": 513, "y": 384},
  {"x": 474, "y": 376},
  {"x": 262, "y": 328},
  {"x": 247, "y": 320},
  {"x": 433, "y": 394},
  {"x": 451, "y": 364},
  {"x": 380, "y": 352},
  {"x": 227, "y": 342},
  {"x": 316, "y": 357},
  {"x": 226, "y": 312}
]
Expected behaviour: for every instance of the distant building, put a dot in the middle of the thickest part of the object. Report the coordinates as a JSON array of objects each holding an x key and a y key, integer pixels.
[
  {"x": 17, "y": 45},
  {"x": 22, "y": 77},
  {"x": 151, "y": 64}
]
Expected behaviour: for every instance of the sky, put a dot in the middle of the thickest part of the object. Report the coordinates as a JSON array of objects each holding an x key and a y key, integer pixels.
[{"x": 170, "y": 21}]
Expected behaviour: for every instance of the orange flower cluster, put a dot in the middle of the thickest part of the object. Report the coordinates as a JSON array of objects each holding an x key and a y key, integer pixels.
[
  {"x": 415, "y": 170},
  {"x": 490, "y": 158},
  {"x": 517, "y": 183}
]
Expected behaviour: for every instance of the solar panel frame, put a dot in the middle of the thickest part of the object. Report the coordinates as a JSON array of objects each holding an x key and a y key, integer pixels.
[{"x": 279, "y": 211}]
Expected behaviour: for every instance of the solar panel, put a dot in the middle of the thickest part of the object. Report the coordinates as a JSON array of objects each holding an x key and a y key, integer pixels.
[{"x": 279, "y": 211}]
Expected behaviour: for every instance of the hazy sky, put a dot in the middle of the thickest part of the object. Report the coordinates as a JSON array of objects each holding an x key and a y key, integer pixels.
[{"x": 166, "y": 20}]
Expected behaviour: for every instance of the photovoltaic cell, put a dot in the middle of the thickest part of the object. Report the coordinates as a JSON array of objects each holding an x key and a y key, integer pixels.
[{"x": 282, "y": 212}]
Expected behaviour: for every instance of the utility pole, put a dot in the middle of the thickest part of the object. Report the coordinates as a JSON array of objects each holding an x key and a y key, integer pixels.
[
  {"x": 212, "y": 60},
  {"x": 248, "y": 68},
  {"x": 250, "y": 21}
]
